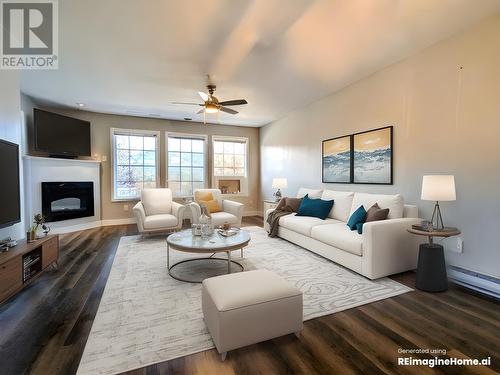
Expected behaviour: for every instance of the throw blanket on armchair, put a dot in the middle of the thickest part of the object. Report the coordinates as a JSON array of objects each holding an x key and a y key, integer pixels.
[{"x": 286, "y": 206}]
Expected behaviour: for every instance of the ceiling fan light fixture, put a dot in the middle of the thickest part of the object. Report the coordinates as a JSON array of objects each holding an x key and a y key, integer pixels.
[{"x": 211, "y": 108}]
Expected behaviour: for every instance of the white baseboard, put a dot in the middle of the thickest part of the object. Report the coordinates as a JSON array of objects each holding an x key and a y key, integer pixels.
[
  {"x": 252, "y": 213},
  {"x": 76, "y": 228},
  {"x": 129, "y": 220},
  {"x": 92, "y": 224}
]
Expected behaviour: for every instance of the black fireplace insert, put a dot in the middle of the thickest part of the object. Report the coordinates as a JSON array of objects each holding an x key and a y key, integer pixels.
[{"x": 67, "y": 200}]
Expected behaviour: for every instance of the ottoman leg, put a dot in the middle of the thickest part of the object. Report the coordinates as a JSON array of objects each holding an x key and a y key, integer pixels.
[{"x": 223, "y": 356}]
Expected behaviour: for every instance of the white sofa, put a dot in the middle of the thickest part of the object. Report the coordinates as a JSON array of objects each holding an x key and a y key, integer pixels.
[
  {"x": 232, "y": 212},
  {"x": 384, "y": 248},
  {"x": 157, "y": 212}
]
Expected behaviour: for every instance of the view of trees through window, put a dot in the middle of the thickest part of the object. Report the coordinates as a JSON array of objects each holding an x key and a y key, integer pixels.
[{"x": 134, "y": 164}]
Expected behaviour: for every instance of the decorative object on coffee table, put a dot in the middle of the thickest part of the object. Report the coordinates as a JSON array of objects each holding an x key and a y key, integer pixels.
[
  {"x": 216, "y": 243},
  {"x": 431, "y": 271},
  {"x": 438, "y": 188},
  {"x": 279, "y": 183}
]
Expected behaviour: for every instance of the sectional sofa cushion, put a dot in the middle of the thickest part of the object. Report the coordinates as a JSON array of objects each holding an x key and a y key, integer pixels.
[
  {"x": 340, "y": 236},
  {"x": 304, "y": 224},
  {"x": 313, "y": 193},
  {"x": 314, "y": 207},
  {"x": 342, "y": 203},
  {"x": 394, "y": 203}
]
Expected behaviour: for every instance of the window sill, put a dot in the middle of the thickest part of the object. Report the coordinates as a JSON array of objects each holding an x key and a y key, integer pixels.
[{"x": 124, "y": 200}]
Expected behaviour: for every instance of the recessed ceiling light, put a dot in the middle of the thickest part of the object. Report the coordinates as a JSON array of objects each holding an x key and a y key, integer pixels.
[
  {"x": 187, "y": 118},
  {"x": 80, "y": 105}
]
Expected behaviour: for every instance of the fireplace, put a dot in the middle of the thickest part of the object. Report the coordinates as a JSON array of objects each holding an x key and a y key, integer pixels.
[{"x": 67, "y": 200}]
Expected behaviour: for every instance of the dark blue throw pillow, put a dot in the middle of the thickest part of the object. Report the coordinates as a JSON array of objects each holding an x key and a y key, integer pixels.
[
  {"x": 359, "y": 227},
  {"x": 358, "y": 216},
  {"x": 314, "y": 207}
]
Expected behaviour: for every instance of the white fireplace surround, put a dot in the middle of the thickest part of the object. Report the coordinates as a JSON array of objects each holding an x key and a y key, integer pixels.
[{"x": 41, "y": 169}]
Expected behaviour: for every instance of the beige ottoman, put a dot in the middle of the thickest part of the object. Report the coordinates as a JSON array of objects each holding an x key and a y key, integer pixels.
[{"x": 248, "y": 307}]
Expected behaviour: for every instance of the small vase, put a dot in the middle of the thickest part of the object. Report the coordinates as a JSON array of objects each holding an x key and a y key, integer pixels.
[{"x": 206, "y": 223}]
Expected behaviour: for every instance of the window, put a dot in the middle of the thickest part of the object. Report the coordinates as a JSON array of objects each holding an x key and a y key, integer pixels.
[
  {"x": 135, "y": 162},
  {"x": 185, "y": 163},
  {"x": 230, "y": 157}
]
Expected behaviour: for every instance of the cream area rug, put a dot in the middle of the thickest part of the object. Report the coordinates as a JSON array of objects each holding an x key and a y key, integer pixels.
[{"x": 145, "y": 316}]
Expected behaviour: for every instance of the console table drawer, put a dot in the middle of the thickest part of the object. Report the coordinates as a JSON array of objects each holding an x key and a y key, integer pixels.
[{"x": 10, "y": 277}]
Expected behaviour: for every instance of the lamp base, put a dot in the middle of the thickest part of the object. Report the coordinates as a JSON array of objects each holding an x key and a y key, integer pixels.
[
  {"x": 437, "y": 218},
  {"x": 277, "y": 195}
]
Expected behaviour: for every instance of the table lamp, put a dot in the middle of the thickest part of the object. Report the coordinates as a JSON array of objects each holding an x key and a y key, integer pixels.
[
  {"x": 279, "y": 183},
  {"x": 438, "y": 188}
]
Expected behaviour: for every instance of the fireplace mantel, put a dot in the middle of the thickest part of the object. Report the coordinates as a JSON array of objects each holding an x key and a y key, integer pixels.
[{"x": 42, "y": 169}]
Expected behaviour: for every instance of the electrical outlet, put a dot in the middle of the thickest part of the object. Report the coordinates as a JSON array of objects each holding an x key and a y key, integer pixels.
[
  {"x": 104, "y": 158},
  {"x": 125, "y": 207},
  {"x": 460, "y": 245}
]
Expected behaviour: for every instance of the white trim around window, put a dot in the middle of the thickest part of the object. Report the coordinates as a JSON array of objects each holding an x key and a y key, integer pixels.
[
  {"x": 175, "y": 180},
  {"x": 242, "y": 177},
  {"x": 134, "y": 192}
]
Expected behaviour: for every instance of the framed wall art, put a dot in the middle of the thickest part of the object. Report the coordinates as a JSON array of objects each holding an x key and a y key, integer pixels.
[
  {"x": 372, "y": 158},
  {"x": 337, "y": 160}
]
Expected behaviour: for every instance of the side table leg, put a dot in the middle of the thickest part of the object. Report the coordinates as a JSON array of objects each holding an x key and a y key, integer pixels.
[
  {"x": 242, "y": 252},
  {"x": 228, "y": 262},
  {"x": 168, "y": 257}
]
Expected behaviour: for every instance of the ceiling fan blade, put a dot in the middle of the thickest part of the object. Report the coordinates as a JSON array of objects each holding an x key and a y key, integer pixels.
[
  {"x": 228, "y": 110},
  {"x": 186, "y": 103},
  {"x": 203, "y": 96},
  {"x": 234, "y": 102},
  {"x": 200, "y": 111}
]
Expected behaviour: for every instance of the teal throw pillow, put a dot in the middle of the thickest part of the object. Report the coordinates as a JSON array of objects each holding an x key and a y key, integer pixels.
[
  {"x": 358, "y": 216},
  {"x": 315, "y": 207}
]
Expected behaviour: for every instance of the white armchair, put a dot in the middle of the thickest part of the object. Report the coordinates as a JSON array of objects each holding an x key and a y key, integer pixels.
[
  {"x": 232, "y": 212},
  {"x": 157, "y": 212}
]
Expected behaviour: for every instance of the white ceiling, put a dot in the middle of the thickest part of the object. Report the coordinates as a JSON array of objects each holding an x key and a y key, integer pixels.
[{"x": 136, "y": 57}]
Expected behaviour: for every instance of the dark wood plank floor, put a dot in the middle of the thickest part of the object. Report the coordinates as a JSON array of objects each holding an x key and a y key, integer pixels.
[{"x": 44, "y": 328}]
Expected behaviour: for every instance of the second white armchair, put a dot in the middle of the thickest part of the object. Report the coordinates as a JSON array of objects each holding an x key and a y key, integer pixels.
[{"x": 232, "y": 212}]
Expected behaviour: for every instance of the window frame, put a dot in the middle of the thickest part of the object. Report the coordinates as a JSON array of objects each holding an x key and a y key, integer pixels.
[
  {"x": 227, "y": 138},
  {"x": 206, "y": 176},
  {"x": 243, "y": 178},
  {"x": 129, "y": 132}
]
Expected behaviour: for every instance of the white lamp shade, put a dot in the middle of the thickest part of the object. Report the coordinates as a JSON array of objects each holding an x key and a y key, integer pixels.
[
  {"x": 438, "y": 188},
  {"x": 280, "y": 183}
]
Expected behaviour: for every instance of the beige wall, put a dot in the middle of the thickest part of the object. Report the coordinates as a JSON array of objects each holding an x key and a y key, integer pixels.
[
  {"x": 446, "y": 121},
  {"x": 101, "y": 146}
]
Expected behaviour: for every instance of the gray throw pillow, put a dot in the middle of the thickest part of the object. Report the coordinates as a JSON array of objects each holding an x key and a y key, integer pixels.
[
  {"x": 292, "y": 204},
  {"x": 375, "y": 213}
]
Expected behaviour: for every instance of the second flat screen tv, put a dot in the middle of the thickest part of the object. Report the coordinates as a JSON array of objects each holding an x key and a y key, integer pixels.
[{"x": 61, "y": 135}]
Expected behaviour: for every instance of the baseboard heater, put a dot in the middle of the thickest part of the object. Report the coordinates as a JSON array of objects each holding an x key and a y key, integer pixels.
[{"x": 486, "y": 284}]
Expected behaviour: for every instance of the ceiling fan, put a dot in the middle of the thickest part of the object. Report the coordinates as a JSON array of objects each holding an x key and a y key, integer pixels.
[{"x": 212, "y": 105}]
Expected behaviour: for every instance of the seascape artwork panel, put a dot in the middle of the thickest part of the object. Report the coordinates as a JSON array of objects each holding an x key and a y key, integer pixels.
[
  {"x": 336, "y": 158},
  {"x": 373, "y": 156}
]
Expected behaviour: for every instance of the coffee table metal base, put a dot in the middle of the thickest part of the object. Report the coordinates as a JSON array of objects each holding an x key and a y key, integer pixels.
[{"x": 228, "y": 260}]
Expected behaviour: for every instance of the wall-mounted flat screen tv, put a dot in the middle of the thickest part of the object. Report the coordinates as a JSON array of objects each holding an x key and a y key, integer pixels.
[
  {"x": 10, "y": 198},
  {"x": 61, "y": 135}
]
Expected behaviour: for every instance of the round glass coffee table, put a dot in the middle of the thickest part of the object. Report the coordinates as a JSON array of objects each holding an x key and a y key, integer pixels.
[{"x": 217, "y": 243}]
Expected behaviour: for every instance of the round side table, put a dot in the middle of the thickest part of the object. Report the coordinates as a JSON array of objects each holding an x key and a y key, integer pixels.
[{"x": 431, "y": 269}]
